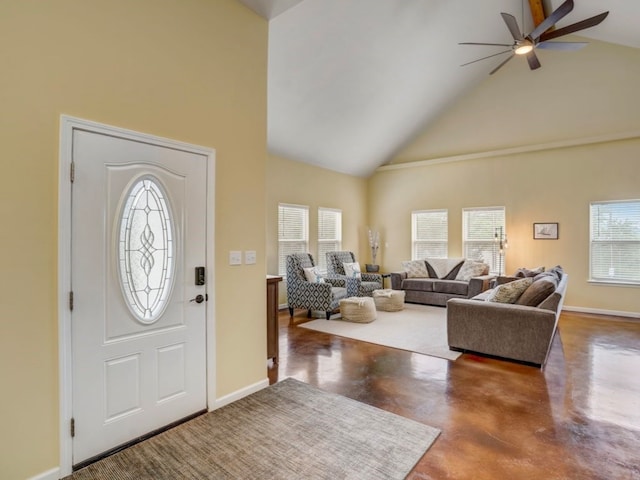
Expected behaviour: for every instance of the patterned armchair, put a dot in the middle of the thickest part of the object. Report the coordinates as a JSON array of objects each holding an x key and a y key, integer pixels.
[
  {"x": 358, "y": 287},
  {"x": 308, "y": 295}
]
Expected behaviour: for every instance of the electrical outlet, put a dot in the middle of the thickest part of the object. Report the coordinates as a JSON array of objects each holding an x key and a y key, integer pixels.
[
  {"x": 250, "y": 257},
  {"x": 235, "y": 257}
]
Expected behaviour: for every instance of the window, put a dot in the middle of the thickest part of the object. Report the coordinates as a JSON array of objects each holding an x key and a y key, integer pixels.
[
  {"x": 615, "y": 242},
  {"x": 293, "y": 233},
  {"x": 329, "y": 233},
  {"x": 429, "y": 234},
  {"x": 146, "y": 249},
  {"x": 479, "y": 228}
]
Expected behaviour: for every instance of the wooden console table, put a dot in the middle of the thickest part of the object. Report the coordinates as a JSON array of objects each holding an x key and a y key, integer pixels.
[{"x": 272, "y": 316}]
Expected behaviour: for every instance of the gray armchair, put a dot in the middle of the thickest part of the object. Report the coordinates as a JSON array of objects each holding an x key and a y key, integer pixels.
[
  {"x": 309, "y": 295},
  {"x": 359, "y": 287}
]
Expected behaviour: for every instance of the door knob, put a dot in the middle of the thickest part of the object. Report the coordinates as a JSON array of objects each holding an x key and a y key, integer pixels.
[{"x": 198, "y": 299}]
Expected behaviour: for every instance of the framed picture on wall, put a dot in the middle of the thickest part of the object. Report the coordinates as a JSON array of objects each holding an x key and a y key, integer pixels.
[{"x": 545, "y": 231}]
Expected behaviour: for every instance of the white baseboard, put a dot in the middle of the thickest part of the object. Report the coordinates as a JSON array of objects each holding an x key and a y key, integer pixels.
[
  {"x": 53, "y": 474},
  {"x": 598, "y": 311},
  {"x": 238, "y": 394}
]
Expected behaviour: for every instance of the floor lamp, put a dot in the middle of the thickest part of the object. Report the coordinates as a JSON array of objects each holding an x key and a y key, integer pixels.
[{"x": 500, "y": 239}]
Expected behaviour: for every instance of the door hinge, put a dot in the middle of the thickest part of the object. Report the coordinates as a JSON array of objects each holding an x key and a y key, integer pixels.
[
  {"x": 71, "y": 300},
  {"x": 73, "y": 427},
  {"x": 72, "y": 172}
]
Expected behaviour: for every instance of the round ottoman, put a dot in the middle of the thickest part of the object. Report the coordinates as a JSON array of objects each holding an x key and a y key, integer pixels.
[
  {"x": 388, "y": 300},
  {"x": 358, "y": 309}
]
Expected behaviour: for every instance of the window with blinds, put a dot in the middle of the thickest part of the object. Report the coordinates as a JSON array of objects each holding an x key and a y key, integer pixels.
[
  {"x": 429, "y": 234},
  {"x": 293, "y": 233},
  {"x": 615, "y": 242},
  {"x": 479, "y": 233},
  {"x": 329, "y": 234}
]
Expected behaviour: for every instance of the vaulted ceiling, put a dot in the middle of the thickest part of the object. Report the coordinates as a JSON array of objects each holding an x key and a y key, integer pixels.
[{"x": 351, "y": 82}]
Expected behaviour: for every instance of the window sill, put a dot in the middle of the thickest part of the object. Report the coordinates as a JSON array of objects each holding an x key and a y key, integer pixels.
[{"x": 613, "y": 283}]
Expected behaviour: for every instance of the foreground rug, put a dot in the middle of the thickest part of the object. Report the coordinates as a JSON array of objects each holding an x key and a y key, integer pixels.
[
  {"x": 417, "y": 328},
  {"x": 289, "y": 430}
]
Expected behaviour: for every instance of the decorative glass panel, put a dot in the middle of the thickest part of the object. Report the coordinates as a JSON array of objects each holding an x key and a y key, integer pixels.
[{"x": 146, "y": 249}]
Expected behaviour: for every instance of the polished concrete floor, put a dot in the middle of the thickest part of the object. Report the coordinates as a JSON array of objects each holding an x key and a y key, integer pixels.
[{"x": 579, "y": 418}]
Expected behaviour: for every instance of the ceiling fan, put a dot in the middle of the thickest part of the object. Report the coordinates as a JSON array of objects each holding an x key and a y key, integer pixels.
[{"x": 539, "y": 37}]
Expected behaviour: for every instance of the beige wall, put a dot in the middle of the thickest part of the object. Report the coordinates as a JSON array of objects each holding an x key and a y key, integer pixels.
[
  {"x": 297, "y": 183},
  {"x": 548, "y": 186},
  {"x": 191, "y": 70}
]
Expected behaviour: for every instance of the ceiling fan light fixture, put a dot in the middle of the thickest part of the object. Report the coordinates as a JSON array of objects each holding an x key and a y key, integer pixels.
[{"x": 523, "y": 49}]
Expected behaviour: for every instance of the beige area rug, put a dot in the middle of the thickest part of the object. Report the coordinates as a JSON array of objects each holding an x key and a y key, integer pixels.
[
  {"x": 289, "y": 430},
  {"x": 417, "y": 328}
]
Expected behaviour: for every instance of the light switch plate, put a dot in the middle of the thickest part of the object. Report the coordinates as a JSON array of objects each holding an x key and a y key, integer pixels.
[
  {"x": 250, "y": 257},
  {"x": 235, "y": 257}
]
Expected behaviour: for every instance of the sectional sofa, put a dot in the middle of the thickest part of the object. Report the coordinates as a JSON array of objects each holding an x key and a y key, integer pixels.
[{"x": 521, "y": 329}]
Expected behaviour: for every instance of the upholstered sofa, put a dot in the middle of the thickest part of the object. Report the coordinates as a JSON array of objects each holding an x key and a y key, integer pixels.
[
  {"x": 435, "y": 281},
  {"x": 522, "y": 330}
]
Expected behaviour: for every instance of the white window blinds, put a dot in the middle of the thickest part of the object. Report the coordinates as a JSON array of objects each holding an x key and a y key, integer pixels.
[
  {"x": 329, "y": 234},
  {"x": 293, "y": 233},
  {"x": 615, "y": 241},
  {"x": 429, "y": 234},
  {"x": 478, "y": 234}
]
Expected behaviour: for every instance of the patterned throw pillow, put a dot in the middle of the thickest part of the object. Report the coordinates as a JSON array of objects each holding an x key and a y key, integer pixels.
[
  {"x": 313, "y": 275},
  {"x": 415, "y": 269},
  {"x": 352, "y": 270},
  {"x": 509, "y": 292},
  {"x": 471, "y": 268}
]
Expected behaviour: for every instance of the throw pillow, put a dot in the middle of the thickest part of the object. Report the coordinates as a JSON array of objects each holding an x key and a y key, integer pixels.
[
  {"x": 415, "y": 269},
  {"x": 313, "y": 275},
  {"x": 509, "y": 292},
  {"x": 559, "y": 271},
  {"x": 526, "y": 272},
  {"x": 443, "y": 267},
  {"x": 471, "y": 268},
  {"x": 537, "y": 292},
  {"x": 556, "y": 273},
  {"x": 352, "y": 270}
]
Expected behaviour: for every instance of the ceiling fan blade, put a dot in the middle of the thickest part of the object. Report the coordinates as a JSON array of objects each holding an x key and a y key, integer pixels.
[
  {"x": 494, "y": 44},
  {"x": 552, "y": 19},
  {"x": 512, "y": 25},
  {"x": 561, "y": 45},
  {"x": 484, "y": 58},
  {"x": 501, "y": 65},
  {"x": 574, "y": 27},
  {"x": 532, "y": 58}
]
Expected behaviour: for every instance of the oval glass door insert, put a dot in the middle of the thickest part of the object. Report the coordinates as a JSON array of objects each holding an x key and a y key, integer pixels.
[{"x": 146, "y": 249}]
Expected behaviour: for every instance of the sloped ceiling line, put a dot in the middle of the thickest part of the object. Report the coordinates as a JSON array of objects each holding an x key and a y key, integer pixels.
[{"x": 577, "y": 142}]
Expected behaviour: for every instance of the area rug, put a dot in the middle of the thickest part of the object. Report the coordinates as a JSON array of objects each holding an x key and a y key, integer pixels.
[
  {"x": 289, "y": 430},
  {"x": 417, "y": 328}
]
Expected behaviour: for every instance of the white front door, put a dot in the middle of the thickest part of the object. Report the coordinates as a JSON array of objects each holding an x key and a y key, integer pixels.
[{"x": 138, "y": 342}]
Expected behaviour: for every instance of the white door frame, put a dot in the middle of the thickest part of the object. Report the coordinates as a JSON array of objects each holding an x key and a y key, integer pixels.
[{"x": 67, "y": 126}]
